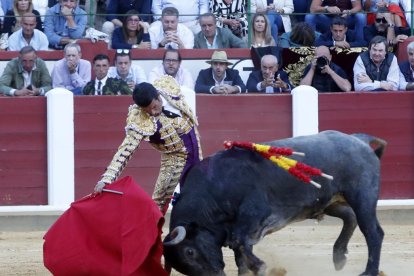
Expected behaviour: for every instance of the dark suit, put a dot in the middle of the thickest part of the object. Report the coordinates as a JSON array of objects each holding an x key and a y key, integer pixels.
[
  {"x": 112, "y": 86},
  {"x": 256, "y": 76},
  {"x": 327, "y": 40},
  {"x": 225, "y": 39},
  {"x": 205, "y": 80}
]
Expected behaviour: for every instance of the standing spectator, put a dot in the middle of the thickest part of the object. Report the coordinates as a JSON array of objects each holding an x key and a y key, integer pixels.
[
  {"x": 213, "y": 37},
  {"x": 270, "y": 79},
  {"x": 261, "y": 36},
  {"x": 383, "y": 26},
  {"x": 302, "y": 35},
  {"x": 103, "y": 84},
  {"x": 124, "y": 70},
  {"x": 340, "y": 36},
  {"x": 325, "y": 75},
  {"x": 171, "y": 65},
  {"x": 71, "y": 72},
  {"x": 133, "y": 34},
  {"x": 64, "y": 23},
  {"x": 169, "y": 33},
  {"x": 231, "y": 14},
  {"x": 376, "y": 69},
  {"x": 117, "y": 8},
  {"x": 189, "y": 11},
  {"x": 277, "y": 12},
  {"x": 28, "y": 35},
  {"x": 407, "y": 70},
  {"x": 25, "y": 75},
  {"x": 219, "y": 79},
  {"x": 322, "y": 12},
  {"x": 12, "y": 20},
  {"x": 391, "y": 6}
]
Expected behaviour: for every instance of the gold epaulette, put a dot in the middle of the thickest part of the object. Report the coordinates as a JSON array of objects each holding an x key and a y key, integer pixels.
[{"x": 140, "y": 121}]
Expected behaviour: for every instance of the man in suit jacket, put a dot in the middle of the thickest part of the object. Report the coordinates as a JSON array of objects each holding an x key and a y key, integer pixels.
[
  {"x": 218, "y": 79},
  {"x": 211, "y": 37},
  {"x": 25, "y": 75},
  {"x": 102, "y": 84},
  {"x": 269, "y": 79}
]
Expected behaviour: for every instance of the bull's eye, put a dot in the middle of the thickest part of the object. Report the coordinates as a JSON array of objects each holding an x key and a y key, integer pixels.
[{"x": 190, "y": 252}]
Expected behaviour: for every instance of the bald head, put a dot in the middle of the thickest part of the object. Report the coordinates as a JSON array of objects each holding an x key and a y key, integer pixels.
[
  {"x": 323, "y": 51},
  {"x": 269, "y": 66}
]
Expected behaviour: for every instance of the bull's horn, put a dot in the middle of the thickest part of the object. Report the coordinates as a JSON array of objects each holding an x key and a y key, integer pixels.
[{"x": 178, "y": 235}]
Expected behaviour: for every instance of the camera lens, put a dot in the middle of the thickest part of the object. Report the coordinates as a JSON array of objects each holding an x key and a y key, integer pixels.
[{"x": 321, "y": 62}]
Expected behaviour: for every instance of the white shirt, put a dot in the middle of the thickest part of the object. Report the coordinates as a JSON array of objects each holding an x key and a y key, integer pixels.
[
  {"x": 183, "y": 76},
  {"x": 393, "y": 76},
  {"x": 156, "y": 32},
  {"x": 135, "y": 74},
  {"x": 103, "y": 82},
  {"x": 39, "y": 41},
  {"x": 188, "y": 9}
]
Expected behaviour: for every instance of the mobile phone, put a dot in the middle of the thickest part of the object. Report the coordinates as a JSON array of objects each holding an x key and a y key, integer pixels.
[{"x": 29, "y": 87}]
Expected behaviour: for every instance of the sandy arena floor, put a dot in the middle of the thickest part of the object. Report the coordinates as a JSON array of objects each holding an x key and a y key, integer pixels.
[{"x": 302, "y": 249}]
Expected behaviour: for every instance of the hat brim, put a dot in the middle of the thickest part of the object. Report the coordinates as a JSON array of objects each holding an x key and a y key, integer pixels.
[{"x": 219, "y": 60}]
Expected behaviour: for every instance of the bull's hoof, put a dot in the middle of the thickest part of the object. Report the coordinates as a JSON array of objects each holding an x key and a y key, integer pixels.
[
  {"x": 261, "y": 271},
  {"x": 372, "y": 274},
  {"x": 339, "y": 260}
]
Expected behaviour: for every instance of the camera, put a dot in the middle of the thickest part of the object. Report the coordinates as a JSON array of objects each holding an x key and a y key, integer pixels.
[{"x": 321, "y": 62}]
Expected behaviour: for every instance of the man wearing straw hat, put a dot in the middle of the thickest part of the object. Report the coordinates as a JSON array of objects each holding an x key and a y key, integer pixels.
[{"x": 219, "y": 79}]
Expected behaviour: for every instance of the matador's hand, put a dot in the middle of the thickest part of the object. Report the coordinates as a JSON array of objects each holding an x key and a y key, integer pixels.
[{"x": 99, "y": 186}]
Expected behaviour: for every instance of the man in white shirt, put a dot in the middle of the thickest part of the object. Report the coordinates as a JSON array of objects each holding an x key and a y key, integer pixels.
[
  {"x": 376, "y": 69},
  {"x": 189, "y": 11},
  {"x": 171, "y": 65},
  {"x": 28, "y": 35},
  {"x": 124, "y": 70},
  {"x": 168, "y": 33}
]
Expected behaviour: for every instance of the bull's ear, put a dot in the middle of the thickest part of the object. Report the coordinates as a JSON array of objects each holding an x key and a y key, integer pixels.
[{"x": 192, "y": 229}]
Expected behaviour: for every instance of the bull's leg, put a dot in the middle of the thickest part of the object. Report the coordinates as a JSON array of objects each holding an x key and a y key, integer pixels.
[
  {"x": 343, "y": 211},
  {"x": 245, "y": 259},
  {"x": 364, "y": 205},
  {"x": 240, "y": 262}
]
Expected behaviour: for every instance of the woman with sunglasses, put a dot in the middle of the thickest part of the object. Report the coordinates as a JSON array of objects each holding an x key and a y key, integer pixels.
[{"x": 133, "y": 34}]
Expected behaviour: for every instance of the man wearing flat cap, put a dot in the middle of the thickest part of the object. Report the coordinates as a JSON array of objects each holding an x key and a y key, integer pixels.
[{"x": 219, "y": 79}]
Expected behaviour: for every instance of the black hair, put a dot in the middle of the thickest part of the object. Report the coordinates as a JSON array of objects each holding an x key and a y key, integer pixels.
[
  {"x": 144, "y": 93},
  {"x": 303, "y": 34},
  {"x": 172, "y": 50},
  {"x": 100, "y": 57},
  {"x": 339, "y": 21},
  {"x": 378, "y": 40}
]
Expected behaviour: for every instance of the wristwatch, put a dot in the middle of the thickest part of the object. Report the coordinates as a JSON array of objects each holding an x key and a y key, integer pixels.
[{"x": 326, "y": 8}]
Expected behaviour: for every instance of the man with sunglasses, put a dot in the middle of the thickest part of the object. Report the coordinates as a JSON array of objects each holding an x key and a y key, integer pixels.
[
  {"x": 384, "y": 26},
  {"x": 162, "y": 117},
  {"x": 124, "y": 70}
]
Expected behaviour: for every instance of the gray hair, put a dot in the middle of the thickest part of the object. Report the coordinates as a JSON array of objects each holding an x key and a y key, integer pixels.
[
  {"x": 271, "y": 57},
  {"x": 410, "y": 46},
  {"x": 72, "y": 45}
]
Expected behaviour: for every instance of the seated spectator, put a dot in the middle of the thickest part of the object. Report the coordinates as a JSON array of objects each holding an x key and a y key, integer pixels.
[
  {"x": 302, "y": 35},
  {"x": 261, "y": 36},
  {"x": 12, "y": 20},
  {"x": 124, "y": 70},
  {"x": 270, "y": 79},
  {"x": 231, "y": 15},
  {"x": 64, "y": 23},
  {"x": 171, "y": 65},
  {"x": 116, "y": 9},
  {"x": 321, "y": 15},
  {"x": 42, "y": 6},
  {"x": 213, "y": 37},
  {"x": 28, "y": 35},
  {"x": 383, "y": 26},
  {"x": 25, "y": 75},
  {"x": 301, "y": 8},
  {"x": 325, "y": 75},
  {"x": 219, "y": 79},
  {"x": 133, "y": 34},
  {"x": 168, "y": 32},
  {"x": 189, "y": 10},
  {"x": 391, "y": 6},
  {"x": 340, "y": 36},
  {"x": 407, "y": 70},
  {"x": 376, "y": 69},
  {"x": 71, "y": 72},
  {"x": 277, "y": 13},
  {"x": 103, "y": 84}
]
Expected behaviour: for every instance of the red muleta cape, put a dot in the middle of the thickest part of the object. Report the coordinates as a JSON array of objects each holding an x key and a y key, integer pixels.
[{"x": 109, "y": 234}]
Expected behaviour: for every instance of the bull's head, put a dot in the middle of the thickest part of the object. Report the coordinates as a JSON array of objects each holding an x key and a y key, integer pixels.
[{"x": 193, "y": 251}]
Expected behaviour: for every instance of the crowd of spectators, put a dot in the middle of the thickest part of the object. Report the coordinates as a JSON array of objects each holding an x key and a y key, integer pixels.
[{"x": 28, "y": 26}]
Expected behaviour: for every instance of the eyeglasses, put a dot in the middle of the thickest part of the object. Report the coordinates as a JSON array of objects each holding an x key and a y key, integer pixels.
[
  {"x": 171, "y": 60},
  {"x": 381, "y": 20},
  {"x": 122, "y": 51}
]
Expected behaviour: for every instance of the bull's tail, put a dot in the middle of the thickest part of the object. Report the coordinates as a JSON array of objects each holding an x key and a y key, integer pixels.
[{"x": 377, "y": 144}]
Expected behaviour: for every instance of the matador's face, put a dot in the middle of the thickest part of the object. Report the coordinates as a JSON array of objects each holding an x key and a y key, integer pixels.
[{"x": 154, "y": 108}]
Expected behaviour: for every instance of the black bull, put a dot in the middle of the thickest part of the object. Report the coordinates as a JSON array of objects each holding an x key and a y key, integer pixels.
[{"x": 236, "y": 197}]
